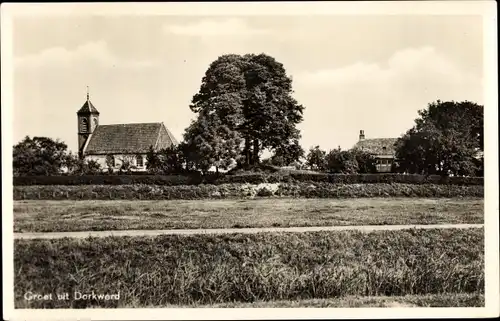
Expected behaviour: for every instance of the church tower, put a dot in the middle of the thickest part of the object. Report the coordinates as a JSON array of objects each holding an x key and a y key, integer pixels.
[{"x": 88, "y": 120}]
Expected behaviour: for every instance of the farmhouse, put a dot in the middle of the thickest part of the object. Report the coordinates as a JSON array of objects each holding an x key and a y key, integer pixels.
[
  {"x": 112, "y": 145},
  {"x": 382, "y": 149}
]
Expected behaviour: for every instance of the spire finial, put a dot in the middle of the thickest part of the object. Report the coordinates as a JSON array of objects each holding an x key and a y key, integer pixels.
[{"x": 87, "y": 92}]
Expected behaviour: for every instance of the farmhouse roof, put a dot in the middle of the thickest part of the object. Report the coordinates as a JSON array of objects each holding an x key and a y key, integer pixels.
[
  {"x": 129, "y": 138},
  {"x": 376, "y": 146}
]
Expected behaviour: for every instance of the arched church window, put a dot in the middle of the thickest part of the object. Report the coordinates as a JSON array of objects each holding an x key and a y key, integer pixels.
[
  {"x": 96, "y": 121},
  {"x": 139, "y": 160}
]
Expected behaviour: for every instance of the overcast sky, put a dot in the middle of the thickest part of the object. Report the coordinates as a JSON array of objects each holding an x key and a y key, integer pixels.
[{"x": 350, "y": 72}]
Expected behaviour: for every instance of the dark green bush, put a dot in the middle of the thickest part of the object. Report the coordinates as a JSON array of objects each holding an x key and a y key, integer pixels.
[
  {"x": 203, "y": 191},
  {"x": 252, "y": 178}
]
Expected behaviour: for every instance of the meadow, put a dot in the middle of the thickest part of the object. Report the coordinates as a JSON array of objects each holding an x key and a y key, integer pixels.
[
  {"x": 236, "y": 269},
  {"x": 405, "y": 268},
  {"x": 63, "y": 216}
]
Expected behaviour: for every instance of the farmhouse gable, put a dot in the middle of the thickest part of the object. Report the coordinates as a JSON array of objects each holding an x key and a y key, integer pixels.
[{"x": 383, "y": 150}]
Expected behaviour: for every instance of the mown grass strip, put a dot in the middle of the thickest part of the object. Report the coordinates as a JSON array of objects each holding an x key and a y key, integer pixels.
[
  {"x": 66, "y": 216},
  {"x": 212, "y": 269}
]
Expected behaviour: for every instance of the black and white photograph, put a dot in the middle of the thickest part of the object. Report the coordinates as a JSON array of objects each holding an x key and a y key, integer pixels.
[{"x": 299, "y": 159}]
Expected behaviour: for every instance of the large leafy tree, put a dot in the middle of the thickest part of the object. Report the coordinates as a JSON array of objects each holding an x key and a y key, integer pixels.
[
  {"x": 447, "y": 139},
  {"x": 39, "y": 156},
  {"x": 247, "y": 105},
  {"x": 211, "y": 142}
]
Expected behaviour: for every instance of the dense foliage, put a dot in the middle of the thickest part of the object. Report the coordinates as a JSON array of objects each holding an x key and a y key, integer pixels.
[
  {"x": 255, "y": 178},
  {"x": 237, "y": 94},
  {"x": 316, "y": 159},
  {"x": 166, "y": 161},
  {"x": 44, "y": 156},
  {"x": 351, "y": 161},
  {"x": 447, "y": 139},
  {"x": 238, "y": 190},
  {"x": 39, "y": 156},
  {"x": 244, "y": 106}
]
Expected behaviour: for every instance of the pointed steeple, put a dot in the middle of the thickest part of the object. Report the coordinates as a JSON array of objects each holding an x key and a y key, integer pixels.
[{"x": 88, "y": 107}]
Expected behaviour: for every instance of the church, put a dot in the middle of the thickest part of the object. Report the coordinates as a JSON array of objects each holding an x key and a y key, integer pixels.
[{"x": 112, "y": 145}]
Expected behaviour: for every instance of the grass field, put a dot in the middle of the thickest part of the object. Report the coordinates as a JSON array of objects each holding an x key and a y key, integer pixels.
[
  {"x": 227, "y": 269},
  {"x": 59, "y": 216}
]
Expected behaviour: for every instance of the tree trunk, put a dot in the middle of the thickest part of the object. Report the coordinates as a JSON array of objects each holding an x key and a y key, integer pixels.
[
  {"x": 255, "y": 152},
  {"x": 247, "y": 151}
]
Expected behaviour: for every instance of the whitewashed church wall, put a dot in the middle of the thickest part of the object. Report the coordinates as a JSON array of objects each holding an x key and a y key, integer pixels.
[{"x": 101, "y": 160}]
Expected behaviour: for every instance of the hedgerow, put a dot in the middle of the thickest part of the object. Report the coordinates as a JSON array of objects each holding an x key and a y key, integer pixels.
[
  {"x": 207, "y": 191},
  {"x": 253, "y": 178}
]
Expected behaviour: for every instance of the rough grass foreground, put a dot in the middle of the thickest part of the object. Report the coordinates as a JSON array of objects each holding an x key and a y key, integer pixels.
[
  {"x": 65, "y": 216},
  {"x": 232, "y": 191},
  {"x": 215, "y": 269},
  {"x": 405, "y": 301}
]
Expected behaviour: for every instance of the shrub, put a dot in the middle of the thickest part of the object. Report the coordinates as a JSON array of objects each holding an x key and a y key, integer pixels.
[
  {"x": 263, "y": 192},
  {"x": 204, "y": 191},
  {"x": 251, "y": 178}
]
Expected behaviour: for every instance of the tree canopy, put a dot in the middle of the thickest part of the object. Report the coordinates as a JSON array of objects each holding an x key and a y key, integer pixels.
[
  {"x": 39, "y": 156},
  {"x": 244, "y": 106},
  {"x": 447, "y": 138},
  {"x": 45, "y": 156},
  {"x": 316, "y": 159},
  {"x": 165, "y": 161},
  {"x": 341, "y": 161}
]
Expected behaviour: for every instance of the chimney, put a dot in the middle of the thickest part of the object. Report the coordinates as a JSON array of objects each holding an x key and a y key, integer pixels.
[{"x": 361, "y": 135}]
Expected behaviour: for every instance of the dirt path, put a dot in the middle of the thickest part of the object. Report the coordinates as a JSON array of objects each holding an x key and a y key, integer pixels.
[{"x": 365, "y": 228}]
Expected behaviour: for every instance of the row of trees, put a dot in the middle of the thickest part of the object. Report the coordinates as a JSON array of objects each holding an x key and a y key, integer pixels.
[
  {"x": 341, "y": 161},
  {"x": 44, "y": 156},
  {"x": 245, "y": 106},
  {"x": 446, "y": 139}
]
